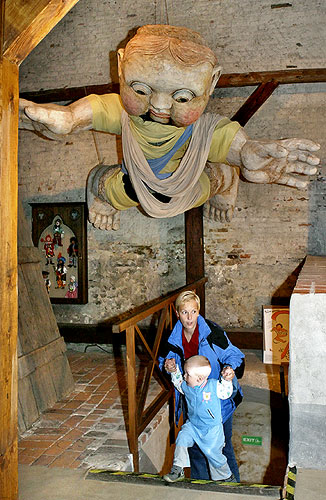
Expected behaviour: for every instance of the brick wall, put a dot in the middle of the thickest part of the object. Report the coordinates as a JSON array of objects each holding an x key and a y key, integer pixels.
[{"x": 255, "y": 259}]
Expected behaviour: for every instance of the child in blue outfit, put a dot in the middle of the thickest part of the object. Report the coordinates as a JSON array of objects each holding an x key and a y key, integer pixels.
[{"x": 204, "y": 423}]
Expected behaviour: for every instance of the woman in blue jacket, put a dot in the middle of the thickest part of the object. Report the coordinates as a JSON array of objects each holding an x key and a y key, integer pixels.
[{"x": 194, "y": 335}]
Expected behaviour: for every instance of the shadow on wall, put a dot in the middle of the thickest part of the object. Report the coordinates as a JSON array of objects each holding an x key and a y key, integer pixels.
[
  {"x": 281, "y": 296},
  {"x": 279, "y": 439},
  {"x": 317, "y": 216}
]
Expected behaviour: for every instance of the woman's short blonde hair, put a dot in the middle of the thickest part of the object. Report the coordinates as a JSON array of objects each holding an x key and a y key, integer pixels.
[
  {"x": 199, "y": 366},
  {"x": 186, "y": 296}
]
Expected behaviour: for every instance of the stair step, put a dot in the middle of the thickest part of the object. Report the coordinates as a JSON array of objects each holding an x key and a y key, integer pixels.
[{"x": 194, "y": 484}]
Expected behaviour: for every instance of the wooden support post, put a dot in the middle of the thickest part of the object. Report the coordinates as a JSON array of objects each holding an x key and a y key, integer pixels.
[
  {"x": 254, "y": 102},
  {"x": 132, "y": 400},
  {"x": 194, "y": 236},
  {"x": 8, "y": 279}
]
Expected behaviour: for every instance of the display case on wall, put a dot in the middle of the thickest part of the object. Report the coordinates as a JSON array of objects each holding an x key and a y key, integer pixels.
[{"x": 59, "y": 230}]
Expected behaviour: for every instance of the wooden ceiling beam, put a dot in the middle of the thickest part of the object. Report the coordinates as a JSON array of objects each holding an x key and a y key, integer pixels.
[
  {"x": 283, "y": 77},
  {"x": 69, "y": 94},
  {"x": 27, "y": 22},
  {"x": 228, "y": 80}
]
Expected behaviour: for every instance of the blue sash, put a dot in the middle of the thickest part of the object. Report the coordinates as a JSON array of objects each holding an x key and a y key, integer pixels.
[{"x": 157, "y": 164}]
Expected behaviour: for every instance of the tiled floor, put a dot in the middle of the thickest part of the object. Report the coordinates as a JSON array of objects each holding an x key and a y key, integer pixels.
[{"x": 87, "y": 429}]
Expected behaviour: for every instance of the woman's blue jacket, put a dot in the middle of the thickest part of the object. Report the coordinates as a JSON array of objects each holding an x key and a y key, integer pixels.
[{"x": 215, "y": 345}]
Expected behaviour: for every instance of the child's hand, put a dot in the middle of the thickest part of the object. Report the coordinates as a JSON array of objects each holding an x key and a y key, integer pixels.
[
  {"x": 228, "y": 373},
  {"x": 170, "y": 365}
]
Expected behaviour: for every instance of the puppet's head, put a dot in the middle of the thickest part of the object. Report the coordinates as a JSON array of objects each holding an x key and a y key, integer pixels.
[{"x": 167, "y": 74}]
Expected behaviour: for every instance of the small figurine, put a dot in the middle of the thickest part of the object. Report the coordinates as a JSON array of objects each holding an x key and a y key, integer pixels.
[
  {"x": 49, "y": 249},
  {"x": 47, "y": 281},
  {"x": 72, "y": 251},
  {"x": 61, "y": 272},
  {"x": 72, "y": 291},
  {"x": 58, "y": 233}
]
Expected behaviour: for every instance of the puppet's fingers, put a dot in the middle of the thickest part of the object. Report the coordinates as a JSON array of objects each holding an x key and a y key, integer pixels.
[
  {"x": 300, "y": 144},
  {"x": 290, "y": 180}
]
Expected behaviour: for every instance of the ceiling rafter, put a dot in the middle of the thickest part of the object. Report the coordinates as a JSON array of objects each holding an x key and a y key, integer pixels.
[{"x": 266, "y": 82}]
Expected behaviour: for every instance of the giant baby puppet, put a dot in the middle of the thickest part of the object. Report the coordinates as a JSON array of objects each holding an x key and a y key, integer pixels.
[{"x": 175, "y": 156}]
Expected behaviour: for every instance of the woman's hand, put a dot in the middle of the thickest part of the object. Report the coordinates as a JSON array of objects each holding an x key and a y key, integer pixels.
[
  {"x": 170, "y": 365},
  {"x": 228, "y": 373}
]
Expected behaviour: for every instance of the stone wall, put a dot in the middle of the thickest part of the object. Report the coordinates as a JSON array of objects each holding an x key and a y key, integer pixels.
[{"x": 251, "y": 261}]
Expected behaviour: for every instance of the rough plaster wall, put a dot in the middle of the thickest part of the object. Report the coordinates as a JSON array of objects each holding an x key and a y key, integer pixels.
[
  {"x": 252, "y": 259},
  {"x": 307, "y": 395}
]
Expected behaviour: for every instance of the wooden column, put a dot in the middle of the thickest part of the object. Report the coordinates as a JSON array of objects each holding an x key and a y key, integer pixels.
[
  {"x": 23, "y": 24},
  {"x": 194, "y": 236},
  {"x": 8, "y": 279}
]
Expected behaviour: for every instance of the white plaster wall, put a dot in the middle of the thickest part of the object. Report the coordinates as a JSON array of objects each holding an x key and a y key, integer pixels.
[
  {"x": 249, "y": 262},
  {"x": 308, "y": 349},
  {"x": 307, "y": 390}
]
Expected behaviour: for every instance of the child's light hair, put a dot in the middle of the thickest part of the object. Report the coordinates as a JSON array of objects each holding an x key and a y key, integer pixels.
[
  {"x": 186, "y": 296},
  {"x": 199, "y": 366}
]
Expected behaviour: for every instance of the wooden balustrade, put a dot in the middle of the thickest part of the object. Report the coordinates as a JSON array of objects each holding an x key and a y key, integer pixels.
[{"x": 140, "y": 416}]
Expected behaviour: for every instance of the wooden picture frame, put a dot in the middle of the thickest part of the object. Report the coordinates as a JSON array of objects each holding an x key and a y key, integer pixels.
[
  {"x": 59, "y": 230},
  {"x": 276, "y": 334}
]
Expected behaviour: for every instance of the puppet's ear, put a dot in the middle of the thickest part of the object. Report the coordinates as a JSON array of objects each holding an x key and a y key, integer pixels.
[
  {"x": 216, "y": 75},
  {"x": 120, "y": 58}
]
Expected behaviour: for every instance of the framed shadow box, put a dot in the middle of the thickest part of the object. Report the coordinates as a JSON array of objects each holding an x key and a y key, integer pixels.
[{"x": 59, "y": 230}]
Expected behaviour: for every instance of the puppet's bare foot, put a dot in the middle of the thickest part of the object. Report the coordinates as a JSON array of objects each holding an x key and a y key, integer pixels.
[
  {"x": 214, "y": 210},
  {"x": 100, "y": 213},
  {"x": 224, "y": 189}
]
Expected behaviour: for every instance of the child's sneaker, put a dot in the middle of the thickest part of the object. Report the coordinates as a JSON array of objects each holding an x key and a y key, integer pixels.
[
  {"x": 230, "y": 479},
  {"x": 175, "y": 475}
]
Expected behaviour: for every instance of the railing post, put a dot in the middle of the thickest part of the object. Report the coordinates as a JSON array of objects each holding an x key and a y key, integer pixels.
[{"x": 132, "y": 401}]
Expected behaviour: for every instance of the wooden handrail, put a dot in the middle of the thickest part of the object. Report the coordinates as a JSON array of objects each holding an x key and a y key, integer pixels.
[{"x": 139, "y": 416}]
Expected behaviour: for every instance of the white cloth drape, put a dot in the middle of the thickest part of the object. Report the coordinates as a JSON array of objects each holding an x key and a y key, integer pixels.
[{"x": 183, "y": 185}]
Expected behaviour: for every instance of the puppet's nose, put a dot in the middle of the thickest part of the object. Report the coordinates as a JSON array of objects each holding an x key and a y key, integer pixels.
[{"x": 161, "y": 101}]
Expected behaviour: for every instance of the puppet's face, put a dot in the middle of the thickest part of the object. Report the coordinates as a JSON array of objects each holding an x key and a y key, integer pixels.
[{"x": 170, "y": 92}]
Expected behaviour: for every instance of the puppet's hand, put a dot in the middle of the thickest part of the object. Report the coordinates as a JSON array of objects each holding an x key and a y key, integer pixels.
[
  {"x": 220, "y": 206},
  {"x": 266, "y": 162},
  {"x": 50, "y": 120},
  {"x": 53, "y": 120}
]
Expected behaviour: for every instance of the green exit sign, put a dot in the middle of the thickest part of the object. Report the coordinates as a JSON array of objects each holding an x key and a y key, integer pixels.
[{"x": 252, "y": 440}]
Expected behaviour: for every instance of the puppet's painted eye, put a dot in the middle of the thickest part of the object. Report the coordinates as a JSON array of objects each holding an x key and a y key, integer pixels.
[
  {"x": 141, "y": 88},
  {"x": 183, "y": 95}
]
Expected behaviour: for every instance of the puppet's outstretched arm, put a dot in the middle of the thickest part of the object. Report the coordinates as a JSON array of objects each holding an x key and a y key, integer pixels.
[
  {"x": 282, "y": 161},
  {"x": 54, "y": 120}
]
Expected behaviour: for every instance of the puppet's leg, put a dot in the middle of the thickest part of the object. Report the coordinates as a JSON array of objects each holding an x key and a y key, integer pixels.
[
  {"x": 224, "y": 182},
  {"x": 100, "y": 213}
]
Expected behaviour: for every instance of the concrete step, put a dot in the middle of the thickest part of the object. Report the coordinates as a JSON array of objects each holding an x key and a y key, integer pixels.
[{"x": 188, "y": 484}]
